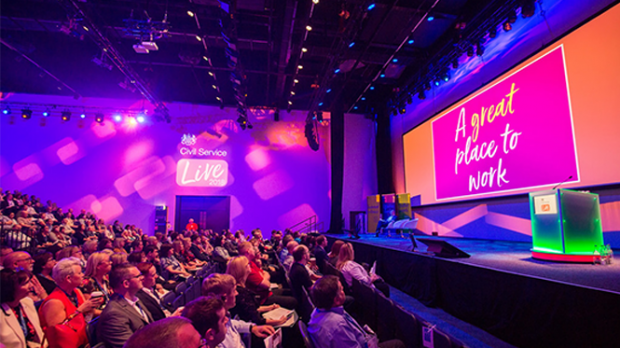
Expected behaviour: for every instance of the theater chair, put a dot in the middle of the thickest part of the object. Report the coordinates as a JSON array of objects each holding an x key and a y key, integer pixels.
[{"x": 304, "y": 333}]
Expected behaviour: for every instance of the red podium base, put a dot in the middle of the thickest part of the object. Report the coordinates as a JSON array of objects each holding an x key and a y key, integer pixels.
[{"x": 562, "y": 257}]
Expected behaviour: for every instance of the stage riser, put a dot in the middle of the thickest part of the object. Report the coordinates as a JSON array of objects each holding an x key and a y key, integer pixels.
[{"x": 521, "y": 310}]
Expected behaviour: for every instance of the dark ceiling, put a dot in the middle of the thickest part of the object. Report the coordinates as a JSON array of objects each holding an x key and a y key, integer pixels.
[{"x": 359, "y": 54}]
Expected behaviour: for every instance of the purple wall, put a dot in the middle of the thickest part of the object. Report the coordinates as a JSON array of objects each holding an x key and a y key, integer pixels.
[{"x": 123, "y": 172}]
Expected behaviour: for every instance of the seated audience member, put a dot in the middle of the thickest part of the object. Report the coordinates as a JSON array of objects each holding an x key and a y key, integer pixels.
[
  {"x": 43, "y": 265},
  {"x": 104, "y": 243},
  {"x": 17, "y": 239},
  {"x": 283, "y": 250},
  {"x": 208, "y": 316},
  {"x": 136, "y": 257},
  {"x": 119, "y": 245},
  {"x": 22, "y": 261},
  {"x": 383, "y": 223},
  {"x": 247, "y": 306},
  {"x": 118, "y": 259},
  {"x": 166, "y": 333},
  {"x": 351, "y": 269},
  {"x": 259, "y": 281},
  {"x": 334, "y": 253},
  {"x": 4, "y": 252},
  {"x": 195, "y": 247},
  {"x": 124, "y": 314},
  {"x": 288, "y": 260},
  {"x": 170, "y": 264},
  {"x": 299, "y": 275},
  {"x": 72, "y": 251},
  {"x": 19, "y": 326},
  {"x": 320, "y": 254},
  {"x": 98, "y": 269},
  {"x": 67, "y": 302},
  {"x": 222, "y": 286},
  {"x": 151, "y": 293},
  {"x": 331, "y": 326},
  {"x": 89, "y": 248}
]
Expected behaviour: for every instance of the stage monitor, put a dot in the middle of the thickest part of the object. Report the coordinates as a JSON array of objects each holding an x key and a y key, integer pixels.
[{"x": 442, "y": 248}]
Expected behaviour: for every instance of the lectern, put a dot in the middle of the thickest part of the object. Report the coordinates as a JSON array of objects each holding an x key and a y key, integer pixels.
[{"x": 566, "y": 225}]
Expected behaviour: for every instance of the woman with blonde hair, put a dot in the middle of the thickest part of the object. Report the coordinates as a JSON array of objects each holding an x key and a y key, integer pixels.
[
  {"x": 334, "y": 252},
  {"x": 118, "y": 258},
  {"x": 98, "y": 268},
  {"x": 351, "y": 269},
  {"x": 247, "y": 306}
]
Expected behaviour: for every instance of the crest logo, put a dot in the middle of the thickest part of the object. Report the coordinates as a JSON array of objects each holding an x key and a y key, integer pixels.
[{"x": 188, "y": 139}]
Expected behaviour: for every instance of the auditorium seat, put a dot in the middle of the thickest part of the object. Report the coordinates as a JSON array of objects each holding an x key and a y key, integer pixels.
[
  {"x": 365, "y": 303},
  {"x": 306, "y": 307},
  {"x": 304, "y": 333},
  {"x": 168, "y": 299},
  {"x": 386, "y": 321},
  {"x": 407, "y": 327}
]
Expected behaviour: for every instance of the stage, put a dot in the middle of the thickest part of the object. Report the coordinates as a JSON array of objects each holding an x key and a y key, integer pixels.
[{"x": 502, "y": 289}]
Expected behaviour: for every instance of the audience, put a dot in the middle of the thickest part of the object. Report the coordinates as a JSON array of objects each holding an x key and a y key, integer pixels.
[
  {"x": 19, "y": 326},
  {"x": 222, "y": 286},
  {"x": 43, "y": 265},
  {"x": 351, "y": 269},
  {"x": 124, "y": 314},
  {"x": 67, "y": 304},
  {"x": 331, "y": 326},
  {"x": 208, "y": 316},
  {"x": 334, "y": 253},
  {"x": 320, "y": 254},
  {"x": 299, "y": 275},
  {"x": 166, "y": 333}
]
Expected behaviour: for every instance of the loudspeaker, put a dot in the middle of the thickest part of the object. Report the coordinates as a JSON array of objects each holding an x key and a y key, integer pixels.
[{"x": 442, "y": 248}]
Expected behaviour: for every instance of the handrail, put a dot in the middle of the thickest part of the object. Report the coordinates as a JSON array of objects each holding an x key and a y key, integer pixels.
[{"x": 309, "y": 224}]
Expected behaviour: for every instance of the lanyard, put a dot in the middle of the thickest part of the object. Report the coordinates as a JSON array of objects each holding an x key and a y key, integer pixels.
[
  {"x": 22, "y": 320},
  {"x": 73, "y": 297}
]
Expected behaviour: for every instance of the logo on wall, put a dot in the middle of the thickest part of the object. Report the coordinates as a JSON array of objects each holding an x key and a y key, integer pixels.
[
  {"x": 202, "y": 173},
  {"x": 188, "y": 139}
]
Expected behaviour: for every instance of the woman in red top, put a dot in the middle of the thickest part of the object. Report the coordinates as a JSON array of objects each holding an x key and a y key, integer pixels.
[{"x": 64, "y": 302}]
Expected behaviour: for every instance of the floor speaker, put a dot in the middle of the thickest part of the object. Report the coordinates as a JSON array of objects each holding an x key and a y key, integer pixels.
[{"x": 442, "y": 248}]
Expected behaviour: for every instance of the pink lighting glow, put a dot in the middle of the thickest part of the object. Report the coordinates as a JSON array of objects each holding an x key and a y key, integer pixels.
[
  {"x": 273, "y": 184},
  {"x": 108, "y": 208},
  {"x": 69, "y": 153},
  {"x": 26, "y": 170},
  {"x": 296, "y": 215},
  {"x": 257, "y": 159}
]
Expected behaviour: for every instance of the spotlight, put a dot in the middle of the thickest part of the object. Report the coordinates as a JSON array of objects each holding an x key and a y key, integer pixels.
[
  {"x": 394, "y": 112},
  {"x": 83, "y": 115},
  {"x": 190, "y": 13},
  {"x": 6, "y": 110},
  {"x": 118, "y": 118},
  {"x": 198, "y": 38},
  {"x": 300, "y": 67},
  {"x": 308, "y": 28},
  {"x": 295, "y": 81},
  {"x": 363, "y": 98},
  {"x": 470, "y": 51},
  {"x": 321, "y": 104},
  {"x": 315, "y": 1},
  {"x": 446, "y": 76},
  {"x": 46, "y": 112},
  {"x": 355, "y": 107},
  {"x": 507, "y": 26},
  {"x": 437, "y": 82},
  {"x": 409, "y": 99},
  {"x": 427, "y": 86},
  {"x": 493, "y": 33},
  {"x": 382, "y": 75},
  {"x": 479, "y": 49},
  {"x": 372, "y": 88},
  {"x": 140, "y": 119},
  {"x": 512, "y": 18},
  {"x": 403, "y": 109},
  {"x": 329, "y": 90},
  {"x": 421, "y": 93},
  {"x": 99, "y": 117},
  {"x": 410, "y": 42},
  {"x": 336, "y": 71},
  {"x": 528, "y": 8},
  {"x": 304, "y": 50},
  {"x": 430, "y": 18},
  {"x": 371, "y": 6},
  {"x": 455, "y": 63},
  {"x": 65, "y": 115},
  {"x": 26, "y": 114},
  {"x": 352, "y": 44},
  {"x": 395, "y": 60}
]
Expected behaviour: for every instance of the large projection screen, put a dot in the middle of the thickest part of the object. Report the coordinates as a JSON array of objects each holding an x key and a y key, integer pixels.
[{"x": 554, "y": 117}]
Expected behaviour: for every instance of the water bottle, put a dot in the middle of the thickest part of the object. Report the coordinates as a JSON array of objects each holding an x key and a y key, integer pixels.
[{"x": 596, "y": 258}]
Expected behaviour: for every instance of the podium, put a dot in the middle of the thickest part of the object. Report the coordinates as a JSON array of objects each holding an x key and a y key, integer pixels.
[{"x": 566, "y": 225}]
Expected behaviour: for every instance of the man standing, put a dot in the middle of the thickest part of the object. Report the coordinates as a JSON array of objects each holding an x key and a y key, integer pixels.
[
  {"x": 124, "y": 314},
  {"x": 332, "y": 327},
  {"x": 191, "y": 226}
]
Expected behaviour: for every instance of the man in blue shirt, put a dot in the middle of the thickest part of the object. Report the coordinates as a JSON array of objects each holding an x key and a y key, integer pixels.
[{"x": 331, "y": 326}]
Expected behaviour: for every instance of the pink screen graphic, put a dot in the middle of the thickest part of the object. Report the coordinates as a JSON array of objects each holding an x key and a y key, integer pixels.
[{"x": 516, "y": 134}]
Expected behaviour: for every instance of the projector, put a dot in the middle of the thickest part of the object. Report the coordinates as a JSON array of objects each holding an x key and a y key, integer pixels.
[
  {"x": 140, "y": 49},
  {"x": 149, "y": 45}
]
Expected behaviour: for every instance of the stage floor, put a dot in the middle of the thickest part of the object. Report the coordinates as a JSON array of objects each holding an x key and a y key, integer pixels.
[{"x": 514, "y": 257}]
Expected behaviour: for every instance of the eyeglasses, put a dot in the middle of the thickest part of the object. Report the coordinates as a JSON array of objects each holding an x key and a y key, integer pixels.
[{"x": 30, "y": 259}]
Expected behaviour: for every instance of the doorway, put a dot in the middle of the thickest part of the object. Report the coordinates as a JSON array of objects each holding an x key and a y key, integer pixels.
[{"x": 209, "y": 212}]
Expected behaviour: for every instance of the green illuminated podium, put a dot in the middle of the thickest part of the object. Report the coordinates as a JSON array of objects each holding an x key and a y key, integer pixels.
[{"x": 566, "y": 225}]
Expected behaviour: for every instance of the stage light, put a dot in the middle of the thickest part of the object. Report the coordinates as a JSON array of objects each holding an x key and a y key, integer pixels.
[
  {"x": 371, "y": 6},
  {"x": 528, "y": 8},
  {"x": 26, "y": 114},
  {"x": 82, "y": 115},
  {"x": 132, "y": 121},
  {"x": 437, "y": 82},
  {"x": 6, "y": 110},
  {"x": 446, "y": 77},
  {"x": 328, "y": 90},
  {"x": 300, "y": 67},
  {"x": 409, "y": 99},
  {"x": 292, "y": 93},
  {"x": 410, "y": 42},
  {"x": 363, "y": 98},
  {"x": 290, "y": 102},
  {"x": 304, "y": 50},
  {"x": 430, "y": 18},
  {"x": 118, "y": 118},
  {"x": 427, "y": 86},
  {"x": 140, "y": 119},
  {"x": 205, "y": 58},
  {"x": 455, "y": 63},
  {"x": 493, "y": 33},
  {"x": 321, "y": 104},
  {"x": 403, "y": 110},
  {"x": 421, "y": 95},
  {"x": 308, "y": 28},
  {"x": 295, "y": 81},
  {"x": 210, "y": 73},
  {"x": 218, "y": 98},
  {"x": 315, "y": 1},
  {"x": 336, "y": 71},
  {"x": 470, "y": 51},
  {"x": 507, "y": 26},
  {"x": 352, "y": 44},
  {"x": 382, "y": 75},
  {"x": 198, "y": 38},
  {"x": 65, "y": 115},
  {"x": 46, "y": 112},
  {"x": 99, "y": 117},
  {"x": 395, "y": 60},
  {"x": 214, "y": 86},
  {"x": 394, "y": 112},
  {"x": 372, "y": 88},
  {"x": 190, "y": 13},
  {"x": 355, "y": 107},
  {"x": 479, "y": 49}
]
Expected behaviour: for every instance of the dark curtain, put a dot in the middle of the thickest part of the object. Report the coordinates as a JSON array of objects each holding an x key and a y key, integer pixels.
[{"x": 337, "y": 154}]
